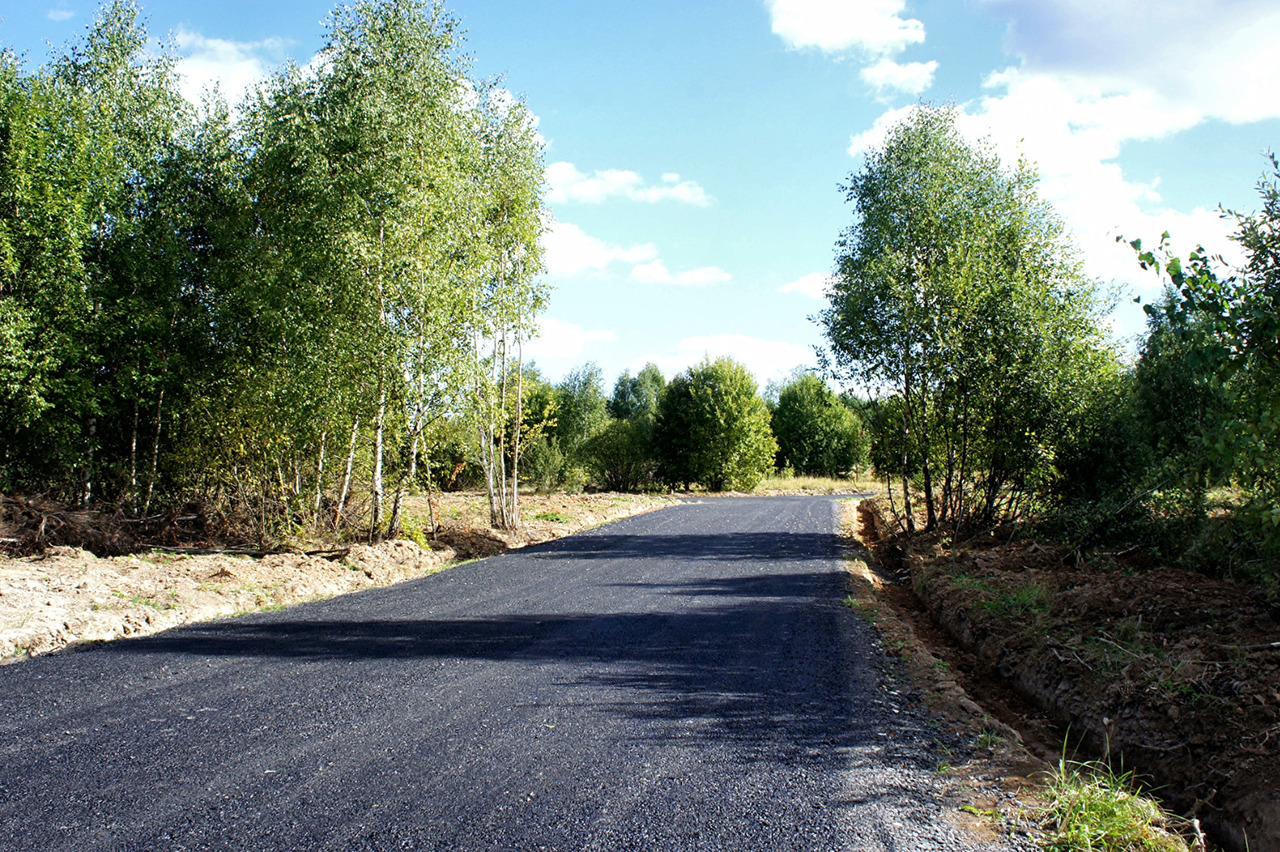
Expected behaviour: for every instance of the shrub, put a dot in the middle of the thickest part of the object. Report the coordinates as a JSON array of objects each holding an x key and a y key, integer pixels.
[{"x": 713, "y": 428}]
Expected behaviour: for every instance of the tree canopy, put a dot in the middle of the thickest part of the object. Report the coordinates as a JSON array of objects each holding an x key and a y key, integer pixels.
[
  {"x": 712, "y": 428},
  {"x": 958, "y": 297},
  {"x": 267, "y": 309},
  {"x": 817, "y": 434}
]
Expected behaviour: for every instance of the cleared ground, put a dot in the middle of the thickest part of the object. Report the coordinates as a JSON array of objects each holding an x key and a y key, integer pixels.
[{"x": 67, "y": 595}]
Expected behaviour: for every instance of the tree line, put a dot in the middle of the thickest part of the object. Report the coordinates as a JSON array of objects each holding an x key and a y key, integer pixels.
[
  {"x": 995, "y": 396},
  {"x": 295, "y": 312},
  {"x": 300, "y": 310},
  {"x": 264, "y": 310},
  {"x": 708, "y": 427}
]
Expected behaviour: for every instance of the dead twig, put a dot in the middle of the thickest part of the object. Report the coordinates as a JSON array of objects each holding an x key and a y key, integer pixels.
[
  {"x": 1261, "y": 646},
  {"x": 1136, "y": 656}
]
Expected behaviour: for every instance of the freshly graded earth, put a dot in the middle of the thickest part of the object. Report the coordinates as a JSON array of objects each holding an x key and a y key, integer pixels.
[
  {"x": 67, "y": 595},
  {"x": 683, "y": 679}
]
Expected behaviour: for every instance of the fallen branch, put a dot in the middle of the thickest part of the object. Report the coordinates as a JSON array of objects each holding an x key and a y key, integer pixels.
[{"x": 330, "y": 553}]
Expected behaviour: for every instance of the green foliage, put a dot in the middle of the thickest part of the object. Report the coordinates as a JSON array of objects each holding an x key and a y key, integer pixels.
[
  {"x": 553, "y": 517},
  {"x": 1094, "y": 809},
  {"x": 546, "y": 467},
  {"x": 94, "y": 313},
  {"x": 1183, "y": 454},
  {"x": 712, "y": 428},
  {"x": 618, "y": 456},
  {"x": 636, "y": 397},
  {"x": 958, "y": 300},
  {"x": 581, "y": 411},
  {"x": 274, "y": 313},
  {"x": 817, "y": 434}
]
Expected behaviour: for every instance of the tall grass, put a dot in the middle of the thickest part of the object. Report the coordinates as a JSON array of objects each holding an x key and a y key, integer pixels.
[{"x": 1092, "y": 808}]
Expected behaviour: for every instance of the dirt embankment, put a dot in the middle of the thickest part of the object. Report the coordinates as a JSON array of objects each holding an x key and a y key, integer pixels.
[
  {"x": 1173, "y": 674},
  {"x": 66, "y": 595}
]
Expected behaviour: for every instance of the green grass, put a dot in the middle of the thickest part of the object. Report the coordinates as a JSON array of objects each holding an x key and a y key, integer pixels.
[
  {"x": 1094, "y": 809},
  {"x": 553, "y": 517},
  {"x": 972, "y": 584},
  {"x": 1021, "y": 601},
  {"x": 988, "y": 739},
  {"x": 139, "y": 600}
]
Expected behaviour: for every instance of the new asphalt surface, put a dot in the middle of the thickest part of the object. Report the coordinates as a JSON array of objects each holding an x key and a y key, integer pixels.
[{"x": 685, "y": 679}]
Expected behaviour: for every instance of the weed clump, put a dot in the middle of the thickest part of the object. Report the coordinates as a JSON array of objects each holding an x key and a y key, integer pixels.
[{"x": 1092, "y": 808}]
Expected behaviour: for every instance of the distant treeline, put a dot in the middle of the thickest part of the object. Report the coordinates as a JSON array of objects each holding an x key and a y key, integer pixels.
[{"x": 708, "y": 427}]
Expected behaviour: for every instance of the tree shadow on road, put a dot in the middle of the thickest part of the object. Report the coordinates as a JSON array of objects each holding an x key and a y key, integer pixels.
[
  {"x": 694, "y": 547},
  {"x": 763, "y": 663}
]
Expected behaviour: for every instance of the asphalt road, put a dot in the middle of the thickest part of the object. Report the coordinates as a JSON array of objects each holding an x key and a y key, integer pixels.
[{"x": 686, "y": 679}]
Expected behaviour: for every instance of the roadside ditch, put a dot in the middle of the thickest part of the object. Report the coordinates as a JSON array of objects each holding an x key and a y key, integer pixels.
[{"x": 1165, "y": 673}]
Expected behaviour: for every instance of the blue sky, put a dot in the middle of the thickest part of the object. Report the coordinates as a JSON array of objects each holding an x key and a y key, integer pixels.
[{"x": 694, "y": 149}]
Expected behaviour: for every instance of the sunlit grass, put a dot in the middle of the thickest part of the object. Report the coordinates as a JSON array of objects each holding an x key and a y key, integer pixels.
[
  {"x": 817, "y": 485},
  {"x": 1094, "y": 809}
]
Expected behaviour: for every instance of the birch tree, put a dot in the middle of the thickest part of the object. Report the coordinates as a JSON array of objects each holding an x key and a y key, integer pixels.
[
  {"x": 958, "y": 296},
  {"x": 509, "y": 174}
]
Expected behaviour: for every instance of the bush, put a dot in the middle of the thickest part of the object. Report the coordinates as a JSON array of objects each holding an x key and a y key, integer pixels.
[
  {"x": 618, "y": 456},
  {"x": 817, "y": 434},
  {"x": 713, "y": 428},
  {"x": 543, "y": 465}
]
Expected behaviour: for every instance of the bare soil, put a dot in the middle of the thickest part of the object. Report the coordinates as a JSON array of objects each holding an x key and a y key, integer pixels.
[
  {"x": 65, "y": 595},
  {"x": 1168, "y": 673},
  {"x": 994, "y": 778}
]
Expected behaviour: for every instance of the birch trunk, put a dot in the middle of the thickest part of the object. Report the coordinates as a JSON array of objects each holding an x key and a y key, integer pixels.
[
  {"x": 155, "y": 454},
  {"x": 346, "y": 479}
]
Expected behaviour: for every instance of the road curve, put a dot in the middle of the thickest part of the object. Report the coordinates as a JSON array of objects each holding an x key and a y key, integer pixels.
[{"x": 685, "y": 679}]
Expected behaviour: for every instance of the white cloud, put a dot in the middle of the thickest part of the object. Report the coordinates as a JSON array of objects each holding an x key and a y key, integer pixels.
[
  {"x": 562, "y": 340},
  {"x": 235, "y": 67},
  {"x": 814, "y": 285},
  {"x": 766, "y": 359},
  {"x": 911, "y": 78},
  {"x": 566, "y": 184},
  {"x": 1214, "y": 56},
  {"x": 874, "y": 27},
  {"x": 1074, "y": 132},
  {"x": 1092, "y": 78},
  {"x": 656, "y": 272},
  {"x": 874, "y": 31},
  {"x": 874, "y": 136},
  {"x": 60, "y": 14},
  {"x": 571, "y": 251}
]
